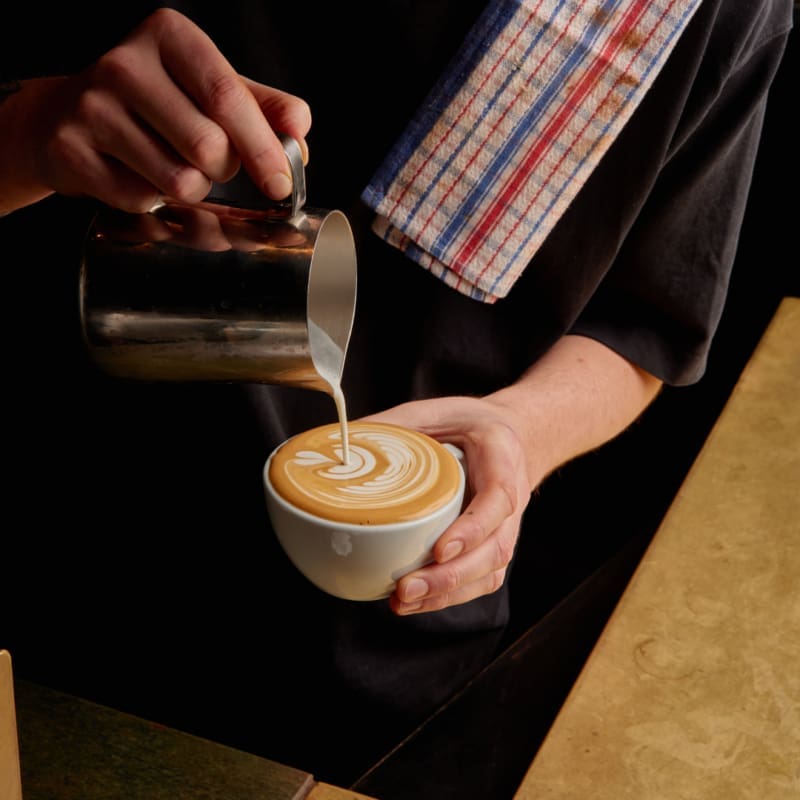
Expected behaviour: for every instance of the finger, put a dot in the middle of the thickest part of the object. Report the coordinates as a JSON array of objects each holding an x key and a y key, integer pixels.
[
  {"x": 90, "y": 174},
  {"x": 405, "y": 604},
  {"x": 472, "y": 573},
  {"x": 427, "y": 416},
  {"x": 285, "y": 112},
  {"x": 136, "y": 71},
  {"x": 492, "y": 553},
  {"x": 195, "y": 64},
  {"x": 113, "y": 131},
  {"x": 487, "y": 511}
]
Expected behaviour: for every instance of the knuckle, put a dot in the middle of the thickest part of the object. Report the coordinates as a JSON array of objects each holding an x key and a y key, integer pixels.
[
  {"x": 207, "y": 147},
  {"x": 226, "y": 94},
  {"x": 496, "y": 580},
  {"x": 117, "y": 66},
  {"x": 510, "y": 495},
  {"x": 64, "y": 150},
  {"x": 287, "y": 106},
  {"x": 60, "y": 148},
  {"x": 186, "y": 184},
  {"x": 505, "y": 496},
  {"x": 301, "y": 112},
  {"x": 436, "y": 603},
  {"x": 92, "y": 106},
  {"x": 449, "y": 579},
  {"x": 504, "y": 551},
  {"x": 164, "y": 18},
  {"x": 501, "y": 433},
  {"x": 471, "y": 528},
  {"x": 165, "y": 23}
]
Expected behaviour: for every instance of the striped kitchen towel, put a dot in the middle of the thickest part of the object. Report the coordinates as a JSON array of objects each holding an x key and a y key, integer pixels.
[{"x": 513, "y": 129}]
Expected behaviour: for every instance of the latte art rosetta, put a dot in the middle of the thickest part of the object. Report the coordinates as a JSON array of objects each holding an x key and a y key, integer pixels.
[{"x": 392, "y": 474}]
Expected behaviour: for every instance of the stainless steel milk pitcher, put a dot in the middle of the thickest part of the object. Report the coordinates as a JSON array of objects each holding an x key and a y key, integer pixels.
[{"x": 231, "y": 289}]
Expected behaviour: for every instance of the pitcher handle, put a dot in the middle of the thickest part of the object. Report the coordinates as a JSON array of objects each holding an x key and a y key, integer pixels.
[
  {"x": 295, "y": 158},
  {"x": 241, "y": 192}
]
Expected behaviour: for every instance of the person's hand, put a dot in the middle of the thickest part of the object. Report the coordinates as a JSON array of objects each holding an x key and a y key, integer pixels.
[
  {"x": 473, "y": 554},
  {"x": 574, "y": 398},
  {"x": 161, "y": 114}
]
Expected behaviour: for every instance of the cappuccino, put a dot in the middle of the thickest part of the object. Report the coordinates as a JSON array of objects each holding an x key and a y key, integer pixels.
[{"x": 390, "y": 474}]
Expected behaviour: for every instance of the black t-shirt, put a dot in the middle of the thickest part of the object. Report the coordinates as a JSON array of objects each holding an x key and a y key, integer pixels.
[{"x": 147, "y": 498}]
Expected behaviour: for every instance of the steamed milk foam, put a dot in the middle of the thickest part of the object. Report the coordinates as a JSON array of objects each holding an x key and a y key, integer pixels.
[{"x": 393, "y": 474}]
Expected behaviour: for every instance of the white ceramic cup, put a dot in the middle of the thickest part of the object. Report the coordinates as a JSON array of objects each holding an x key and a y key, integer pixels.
[{"x": 358, "y": 561}]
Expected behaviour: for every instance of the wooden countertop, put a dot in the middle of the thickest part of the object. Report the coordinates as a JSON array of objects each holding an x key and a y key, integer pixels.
[
  {"x": 693, "y": 689},
  {"x": 10, "y": 779}
]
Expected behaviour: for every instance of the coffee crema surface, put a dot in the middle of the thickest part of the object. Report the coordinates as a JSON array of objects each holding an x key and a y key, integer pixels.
[{"x": 393, "y": 474}]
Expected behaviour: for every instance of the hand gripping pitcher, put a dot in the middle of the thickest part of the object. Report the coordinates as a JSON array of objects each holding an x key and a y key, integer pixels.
[{"x": 233, "y": 289}]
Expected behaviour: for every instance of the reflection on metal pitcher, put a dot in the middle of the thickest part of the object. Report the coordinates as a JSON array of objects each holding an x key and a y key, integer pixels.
[{"x": 218, "y": 292}]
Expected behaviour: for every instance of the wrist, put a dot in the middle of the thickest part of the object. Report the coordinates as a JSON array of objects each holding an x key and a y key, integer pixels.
[{"x": 20, "y": 104}]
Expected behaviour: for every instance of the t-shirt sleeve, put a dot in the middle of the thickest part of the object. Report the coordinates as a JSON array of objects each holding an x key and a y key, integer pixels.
[{"x": 661, "y": 301}]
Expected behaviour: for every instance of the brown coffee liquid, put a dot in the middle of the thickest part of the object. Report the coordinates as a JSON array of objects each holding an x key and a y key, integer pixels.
[{"x": 392, "y": 474}]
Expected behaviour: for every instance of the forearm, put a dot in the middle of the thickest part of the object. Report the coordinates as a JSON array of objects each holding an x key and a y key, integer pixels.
[{"x": 578, "y": 396}]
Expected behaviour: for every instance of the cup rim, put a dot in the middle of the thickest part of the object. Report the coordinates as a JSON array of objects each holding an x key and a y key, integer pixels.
[{"x": 456, "y": 499}]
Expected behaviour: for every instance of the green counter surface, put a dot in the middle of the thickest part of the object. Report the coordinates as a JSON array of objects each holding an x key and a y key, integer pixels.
[{"x": 73, "y": 749}]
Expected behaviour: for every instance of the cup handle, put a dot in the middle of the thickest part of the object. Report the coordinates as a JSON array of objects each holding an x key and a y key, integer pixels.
[{"x": 459, "y": 454}]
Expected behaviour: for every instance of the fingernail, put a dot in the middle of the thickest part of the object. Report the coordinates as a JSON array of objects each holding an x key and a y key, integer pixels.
[
  {"x": 451, "y": 550},
  {"x": 415, "y": 589},
  {"x": 278, "y": 186}
]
